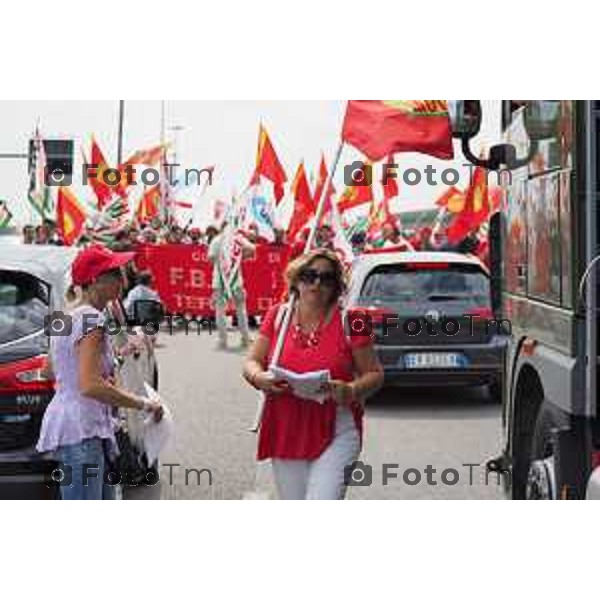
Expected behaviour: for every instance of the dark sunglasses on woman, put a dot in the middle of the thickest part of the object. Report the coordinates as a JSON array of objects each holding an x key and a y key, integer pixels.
[{"x": 311, "y": 276}]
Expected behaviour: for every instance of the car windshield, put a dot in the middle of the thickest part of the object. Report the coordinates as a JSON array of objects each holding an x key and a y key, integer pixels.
[
  {"x": 23, "y": 305},
  {"x": 409, "y": 285}
]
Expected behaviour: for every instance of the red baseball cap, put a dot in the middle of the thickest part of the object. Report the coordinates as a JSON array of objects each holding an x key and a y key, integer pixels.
[{"x": 95, "y": 260}]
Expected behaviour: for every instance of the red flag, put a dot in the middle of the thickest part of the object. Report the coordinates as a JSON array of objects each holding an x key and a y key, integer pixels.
[
  {"x": 149, "y": 156},
  {"x": 355, "y": 195},
  {"x": 378, "y": 216},
  {"x": 268, "y": 165},
  {"x": 303, "y": 203},
  {"x": 381, "y": 127},
  {"x": 476, "y": 208},
  {"x": 102, "y": 190},
  {"x": 149, "y": 206},
  {"x": 452, "y": 199},
  {"x": 389, "y": 180},
  {"x": 323, "y": 174},
  {"x": 326, "y": 214},
  {"x": 70, "y": 216}
]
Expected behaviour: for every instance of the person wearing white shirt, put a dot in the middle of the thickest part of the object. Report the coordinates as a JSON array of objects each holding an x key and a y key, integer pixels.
[{"x": 142, "y": 291}]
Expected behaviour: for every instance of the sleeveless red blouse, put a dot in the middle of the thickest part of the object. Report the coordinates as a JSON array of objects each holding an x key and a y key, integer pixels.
[{"x": 294, "y": 428}]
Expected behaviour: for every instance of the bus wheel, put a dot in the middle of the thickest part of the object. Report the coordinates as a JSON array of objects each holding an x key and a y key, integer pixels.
[
  {"x": 529, "y": 398},
  {"x": 541, "y": 479}
]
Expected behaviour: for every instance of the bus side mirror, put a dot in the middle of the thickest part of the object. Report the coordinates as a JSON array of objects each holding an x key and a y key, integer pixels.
[{"x": 540, "y": 122}]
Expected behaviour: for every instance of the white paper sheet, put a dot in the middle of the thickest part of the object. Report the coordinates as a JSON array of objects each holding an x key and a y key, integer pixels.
[
  {"x": 155, "y": 436},
  {"x": 309, "y": 386}
]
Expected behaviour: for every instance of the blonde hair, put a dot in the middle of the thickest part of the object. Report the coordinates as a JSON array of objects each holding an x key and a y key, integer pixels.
[
  {"x": 73, "y": 296},
  {"x": 304, "y": 261}
]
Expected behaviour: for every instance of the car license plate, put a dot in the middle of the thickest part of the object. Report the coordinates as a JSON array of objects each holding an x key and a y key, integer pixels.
[{"x": 435, "y": 360}]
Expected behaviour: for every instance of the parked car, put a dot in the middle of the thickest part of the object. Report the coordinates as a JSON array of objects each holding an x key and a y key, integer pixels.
[
  {"x": 33, "y": 283},
  {"x": 421, "y": 307}
]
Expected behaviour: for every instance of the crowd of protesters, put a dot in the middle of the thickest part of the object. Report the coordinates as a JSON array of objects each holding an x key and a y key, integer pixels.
[
  {"x": 156, "y": 232},
  {"x": 391, "y": 238},
  {"x": 44, "y": 234}
]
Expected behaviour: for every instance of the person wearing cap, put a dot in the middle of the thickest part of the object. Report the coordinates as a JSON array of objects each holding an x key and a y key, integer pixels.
[{"x": 78, "y": 425}]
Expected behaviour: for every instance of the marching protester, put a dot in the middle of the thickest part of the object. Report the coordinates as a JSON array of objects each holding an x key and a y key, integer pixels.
[
  {"x": 324, "y": 237},
  {"x": 210, "y": 233},
  {"x": 359, "y": 242},
  {"x": 78, "y": 425},
  {"x": 28, "y": 234},
  {"x": 224, "y": 292},
  {"x": 310, "y": 443},
  {"x": 279, "y": 234},
  {"x": 390, "y": 234},
  {"x": 52, "y": 233},
  {"x": 41, "y": 235},
  {"x": 194, "y": 236},
  {"x": 299, "y": 244},
  {"x": 142, "y": 290}
]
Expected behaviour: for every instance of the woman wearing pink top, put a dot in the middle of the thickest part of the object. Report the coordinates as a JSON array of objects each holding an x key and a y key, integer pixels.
[{"x": 78, "y": 425}]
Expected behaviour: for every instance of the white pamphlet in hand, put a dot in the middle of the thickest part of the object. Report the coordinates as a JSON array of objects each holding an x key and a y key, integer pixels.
[
  {"x": 156, "y": 435},
  {"x": 309, "y": 386}
]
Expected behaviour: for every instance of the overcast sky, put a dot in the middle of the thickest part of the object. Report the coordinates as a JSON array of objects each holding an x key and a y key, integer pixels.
[{"x": 223, "y": 133}]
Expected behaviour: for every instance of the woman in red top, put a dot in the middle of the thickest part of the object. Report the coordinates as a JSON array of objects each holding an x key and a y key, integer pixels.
[{"x": 312, "y": 443}]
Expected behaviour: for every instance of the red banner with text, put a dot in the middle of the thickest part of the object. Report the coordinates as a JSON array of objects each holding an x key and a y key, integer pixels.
[{"x": 183, "y": 277}]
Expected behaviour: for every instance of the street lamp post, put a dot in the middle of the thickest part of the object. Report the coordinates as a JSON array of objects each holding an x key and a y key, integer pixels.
[
  {"x": 120, "y": 132},
  {"x": 176, "y": 129}
]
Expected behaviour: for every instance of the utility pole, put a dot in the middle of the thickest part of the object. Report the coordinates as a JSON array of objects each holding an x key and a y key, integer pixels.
[
  {"x": 120, "y": 132},
  {"x": 176, "y": 129}
]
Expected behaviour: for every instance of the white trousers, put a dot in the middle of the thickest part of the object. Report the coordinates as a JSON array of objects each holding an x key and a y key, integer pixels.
[
  {"x": 239, "y": 299},
  {"x": 323, "y": 478}
]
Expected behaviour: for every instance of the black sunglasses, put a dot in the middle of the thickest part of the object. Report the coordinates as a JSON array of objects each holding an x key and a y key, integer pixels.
[{"x": 325, "y": 278}]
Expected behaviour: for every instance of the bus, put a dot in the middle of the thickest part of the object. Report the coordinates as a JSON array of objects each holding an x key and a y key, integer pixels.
[{"x": 545, "y": 258}]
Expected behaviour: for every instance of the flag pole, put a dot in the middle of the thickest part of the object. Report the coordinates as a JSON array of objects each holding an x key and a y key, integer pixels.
[
  {"x": 323, "y": 198},
  {"x": 293, "y": 297}
]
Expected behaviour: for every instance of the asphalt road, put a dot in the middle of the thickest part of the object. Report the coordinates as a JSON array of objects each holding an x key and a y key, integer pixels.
[{"x": 411, "y": 431}]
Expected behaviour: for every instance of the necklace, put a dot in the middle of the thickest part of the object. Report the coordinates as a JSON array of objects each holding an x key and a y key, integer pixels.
[{"x": 304, "y": 339}]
